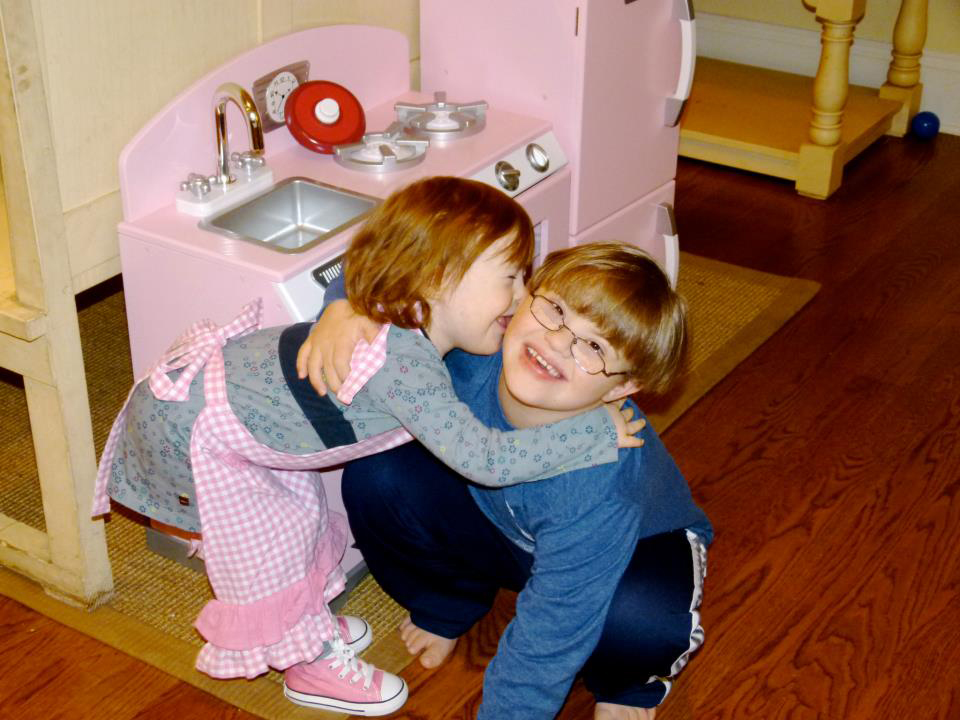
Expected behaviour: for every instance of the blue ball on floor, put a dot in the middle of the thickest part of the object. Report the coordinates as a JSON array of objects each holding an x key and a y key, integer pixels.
[{"x": 925, "y": 125}]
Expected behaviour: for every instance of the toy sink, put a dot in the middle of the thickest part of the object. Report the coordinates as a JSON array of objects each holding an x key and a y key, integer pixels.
[{"x": 294, "y": 215}]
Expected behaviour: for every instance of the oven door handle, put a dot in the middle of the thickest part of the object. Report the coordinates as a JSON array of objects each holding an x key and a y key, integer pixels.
[
  {"x": 683, "y": 9},
  {"x": 667, "y": 229}
]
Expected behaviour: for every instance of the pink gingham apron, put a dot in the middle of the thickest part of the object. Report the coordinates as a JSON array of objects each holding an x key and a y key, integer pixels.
[{"x": 271, "y": 548}]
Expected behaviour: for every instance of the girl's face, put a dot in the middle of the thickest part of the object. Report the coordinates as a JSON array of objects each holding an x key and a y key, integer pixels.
[{"x": 473, "y": 314}]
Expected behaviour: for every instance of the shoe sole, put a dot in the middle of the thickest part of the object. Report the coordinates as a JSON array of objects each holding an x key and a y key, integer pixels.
[{"x": 384, "y": 707}]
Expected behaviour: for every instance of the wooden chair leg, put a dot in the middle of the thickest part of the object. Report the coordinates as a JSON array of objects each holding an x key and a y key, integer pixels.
[{"x": 903, "y": 78}]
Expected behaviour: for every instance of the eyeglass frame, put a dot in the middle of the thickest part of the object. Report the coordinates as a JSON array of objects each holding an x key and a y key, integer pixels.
[{"x": 576, "y": 338}]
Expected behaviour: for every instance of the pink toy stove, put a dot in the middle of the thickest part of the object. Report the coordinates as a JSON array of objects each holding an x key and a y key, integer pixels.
[
  {"x": 179, "y": 266},
  {"x": 570, "y": 107}
]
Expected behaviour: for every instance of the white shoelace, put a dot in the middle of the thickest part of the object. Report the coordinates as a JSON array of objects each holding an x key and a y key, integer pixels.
[{"x": 342, "y": 656}]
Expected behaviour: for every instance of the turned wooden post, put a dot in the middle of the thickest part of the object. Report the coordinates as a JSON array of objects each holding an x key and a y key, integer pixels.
[
  {"x": 820, "y": 163},
  {"x": 903, "y": 77},
  {"x": 909, "y": 36},
  {"x": 831, "y": 86}
]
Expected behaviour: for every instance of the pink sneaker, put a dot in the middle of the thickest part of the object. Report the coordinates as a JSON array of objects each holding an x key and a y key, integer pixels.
[
  {"x": 356, "y": 633},
  {"x": 340, "y": 681}
]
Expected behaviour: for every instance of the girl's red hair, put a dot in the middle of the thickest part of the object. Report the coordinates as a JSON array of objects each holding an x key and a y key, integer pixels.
[{"x": 425, "y": 237}]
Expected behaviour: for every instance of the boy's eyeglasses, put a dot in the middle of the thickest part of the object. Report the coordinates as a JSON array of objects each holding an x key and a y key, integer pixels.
[{"x": 587, "y": 354}]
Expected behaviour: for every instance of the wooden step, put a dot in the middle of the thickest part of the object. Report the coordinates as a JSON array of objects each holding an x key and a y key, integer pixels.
[{"x": 757, "y": 119}]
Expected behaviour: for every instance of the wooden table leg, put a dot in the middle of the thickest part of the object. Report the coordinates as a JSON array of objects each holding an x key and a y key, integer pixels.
[
  {"x": 903, "y": 78},
  {"x": 820, "y": 164}
]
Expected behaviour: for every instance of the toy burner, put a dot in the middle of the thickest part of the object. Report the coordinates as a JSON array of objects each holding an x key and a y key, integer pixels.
[
  {"x": 383, "y": 152},
  {"x": 440, "y": 120}
]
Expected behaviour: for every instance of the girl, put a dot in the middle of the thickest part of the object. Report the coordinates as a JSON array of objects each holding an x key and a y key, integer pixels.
[{"x": 236, "y": 450}]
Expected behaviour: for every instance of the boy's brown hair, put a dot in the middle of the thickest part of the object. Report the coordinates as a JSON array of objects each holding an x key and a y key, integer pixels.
[
  {"x": 622, "y": 291},
  {"x": 423, "y": 238}
]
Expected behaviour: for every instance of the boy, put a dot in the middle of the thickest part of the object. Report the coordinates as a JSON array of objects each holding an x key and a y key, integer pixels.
[{"x": 608, "y": 561}]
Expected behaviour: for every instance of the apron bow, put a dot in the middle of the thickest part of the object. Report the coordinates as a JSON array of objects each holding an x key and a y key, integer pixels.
[{"x": 191, "y": 351}]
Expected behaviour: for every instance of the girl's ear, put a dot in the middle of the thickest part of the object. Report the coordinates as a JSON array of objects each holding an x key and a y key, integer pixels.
[{"x": 627, "y": 387}]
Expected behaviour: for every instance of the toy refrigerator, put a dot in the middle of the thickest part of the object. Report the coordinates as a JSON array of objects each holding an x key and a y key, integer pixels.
[{"x": 610, "y": 75}]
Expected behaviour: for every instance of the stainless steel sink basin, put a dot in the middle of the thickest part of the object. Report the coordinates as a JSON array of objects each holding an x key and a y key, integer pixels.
[{"x": 294, "y": 215}]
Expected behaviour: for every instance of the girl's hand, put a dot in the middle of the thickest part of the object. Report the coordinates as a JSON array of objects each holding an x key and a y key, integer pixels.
[
  {"x": 325, "y": 355},
  {"x": 627, "y": 428}
]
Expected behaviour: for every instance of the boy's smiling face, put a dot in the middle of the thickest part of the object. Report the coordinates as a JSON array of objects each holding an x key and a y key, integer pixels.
[{"x": 541, "y": 382}]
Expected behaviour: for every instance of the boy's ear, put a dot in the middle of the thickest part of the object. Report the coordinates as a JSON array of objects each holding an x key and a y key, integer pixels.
[{"x": 627, "y": 387}]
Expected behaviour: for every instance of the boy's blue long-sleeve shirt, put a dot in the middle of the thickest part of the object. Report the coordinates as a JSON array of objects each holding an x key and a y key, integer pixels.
[{"x": 581, "y": 528}]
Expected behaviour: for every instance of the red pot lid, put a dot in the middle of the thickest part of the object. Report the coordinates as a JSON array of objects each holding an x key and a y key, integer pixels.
[{"x": 322, "y": 114}]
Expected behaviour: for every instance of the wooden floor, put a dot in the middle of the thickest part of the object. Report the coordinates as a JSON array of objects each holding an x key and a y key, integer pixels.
[{"x": 828, "y": 462}]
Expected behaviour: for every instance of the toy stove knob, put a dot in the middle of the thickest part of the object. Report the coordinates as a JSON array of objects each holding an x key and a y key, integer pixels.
[
  {"x": 537, "y": 157},
  {"x": 507, "y": 175}
]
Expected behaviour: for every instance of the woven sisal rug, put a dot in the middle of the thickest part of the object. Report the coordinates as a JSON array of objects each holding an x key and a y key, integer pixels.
[{"x": 733, "y": 311}]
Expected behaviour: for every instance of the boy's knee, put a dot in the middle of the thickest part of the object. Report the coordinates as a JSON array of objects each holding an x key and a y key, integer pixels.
[
  {"x": 629, "y": 671},
  {"x": 650, "y": 622}
]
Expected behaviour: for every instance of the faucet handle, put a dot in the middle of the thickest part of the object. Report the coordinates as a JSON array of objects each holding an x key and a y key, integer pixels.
[
  {"x": 196, "y": 184},
  {"x": 248, "y": 161}
]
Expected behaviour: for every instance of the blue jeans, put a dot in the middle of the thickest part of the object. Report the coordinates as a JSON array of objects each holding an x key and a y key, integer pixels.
[{"x": 430, "y": 547}]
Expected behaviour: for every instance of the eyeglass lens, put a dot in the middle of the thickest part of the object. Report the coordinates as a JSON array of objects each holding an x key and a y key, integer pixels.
[{"x": 550, "y": 315}]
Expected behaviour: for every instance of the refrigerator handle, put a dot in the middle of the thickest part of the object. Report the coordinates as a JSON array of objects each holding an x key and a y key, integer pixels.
[
  {"x": 667, "y": 229},
  {"x": 683, "y": 9}
]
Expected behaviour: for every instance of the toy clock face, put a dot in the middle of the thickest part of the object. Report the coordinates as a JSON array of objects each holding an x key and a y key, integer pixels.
[{"x": 277, "y": 91}]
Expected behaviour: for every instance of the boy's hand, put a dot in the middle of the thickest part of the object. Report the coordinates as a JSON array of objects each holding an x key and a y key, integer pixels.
[
  {"x": 627, "y": 428},
  {"x": 325, "y": 355}
]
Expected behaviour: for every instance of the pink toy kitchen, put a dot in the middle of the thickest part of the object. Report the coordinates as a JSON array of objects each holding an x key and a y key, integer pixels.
[{"x": 251, "y": 182}]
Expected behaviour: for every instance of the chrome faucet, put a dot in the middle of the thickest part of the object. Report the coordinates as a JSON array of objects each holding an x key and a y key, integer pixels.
[{"x": 230, "y": 91}]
